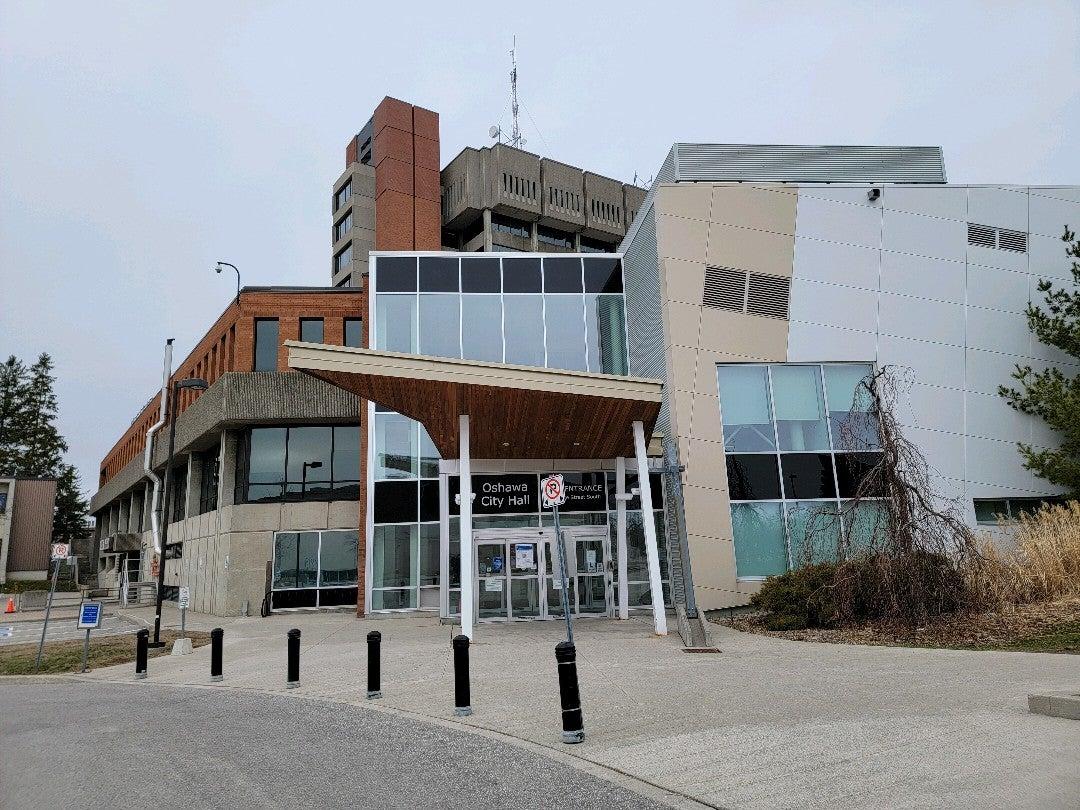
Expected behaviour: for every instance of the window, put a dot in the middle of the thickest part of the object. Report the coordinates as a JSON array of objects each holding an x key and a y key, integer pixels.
[
  {"x": 346, "y": 281},
  {"x": 317, "y": 462},
  {"x": 343, "y": 260},
  {"x": 178, "y": 489},
  {"x": 995, "y": 510},
  {"x": 553, "y": 237},
  {"x": 343, "y": 226},
  {"x": 595, "y": 246},
  {"x": 343, "y": 194},
  {"x": 789, "y": 431},
  {"x": 511, "y": 227},
  {"x": 314, "y": 569},
  {"x": 311, "y": 330},
  {"x": 353, "y": 331},
  {"x": 266, "y": 344},
  {"x": 208, "y": 490}
]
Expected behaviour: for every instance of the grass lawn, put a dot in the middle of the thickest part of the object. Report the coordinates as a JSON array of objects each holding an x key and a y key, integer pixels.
[
  {"x": 66, "y": 656},
  {"x": 1064, "y": 638}
]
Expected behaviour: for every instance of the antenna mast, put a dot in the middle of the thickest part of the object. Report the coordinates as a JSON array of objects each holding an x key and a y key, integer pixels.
[{"x": 515, "y": 133}]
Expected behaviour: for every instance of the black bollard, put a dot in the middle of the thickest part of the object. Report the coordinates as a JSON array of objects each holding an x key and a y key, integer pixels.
[
  {"x": 215, "y": 653},
  {"x": 374, "y": 669},
  {"x": 141, "y": 640},
  {"x": 462, "y": 703},
  {"x": 292, "y": 679},
  {"x": 573, "y": 727}
]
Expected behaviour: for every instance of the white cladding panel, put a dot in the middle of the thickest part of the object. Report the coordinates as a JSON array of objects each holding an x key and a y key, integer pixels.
[{"x": 949, "y": 313}]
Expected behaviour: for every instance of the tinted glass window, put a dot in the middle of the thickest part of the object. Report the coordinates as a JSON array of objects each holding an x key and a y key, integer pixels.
[
  {"x": 395, "y": 502},
  {"x": 395, "y": 323},
  {"x": 266, "y": 344},
  {"x": 605, "y": 322},
  {"x": 752, "y": 477},
  {"x": 266, "y": 457},
  {"x": 429, "y": 500},
  {"x": 308, "y": 447},
  {"x": 854, "y": 423},
  {"x": 808, "y": 475},
  {"x": 603, "y": 275},
  {"x": 438, "y": 274},
  {"x": 346, "y": 454},
  {"x": 354, "y": 332},
  {"x": 481, "y": 338},
  {"x": 337, "y": 559},
  {"x": 480, "y": 275},
  {"x": 440, "y": 325},
  {"x": 521, "y": 276},
  {"x": 562, "y": 275},
  {"x": 745, "y": 409},
  {"x": 395, "y": 446},
  {"x": 800, "y": 408},
  {"x": 392, "y": 563},
  {"x": 395, "y": 273},
  {"x": 852, "y": 470},
  {"x": 758, "y": 529},
  {"x": 565, "y": 319},
  {"x": 524, "y": 329},
  {"x": 813, "y": 531},
  {"x": 311, "y": 330}
]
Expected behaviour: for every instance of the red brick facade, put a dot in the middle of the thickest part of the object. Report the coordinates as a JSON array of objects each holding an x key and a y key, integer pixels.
[{"x": 405, "y": 154}]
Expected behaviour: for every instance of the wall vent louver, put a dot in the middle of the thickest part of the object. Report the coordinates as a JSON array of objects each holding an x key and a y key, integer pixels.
[
  {"x": 725, "y": 289},
  {"x": 768, "y": 295},
  {"x": 988, "y": 236}
]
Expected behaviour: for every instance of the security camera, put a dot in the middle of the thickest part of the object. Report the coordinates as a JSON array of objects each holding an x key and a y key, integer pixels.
[{"x": 873, "y": 194}]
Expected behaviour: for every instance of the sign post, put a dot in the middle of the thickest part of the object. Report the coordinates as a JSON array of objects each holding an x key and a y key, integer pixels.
[
  {"x": 59, "y": 554},
  {"x": 89, "y": 619},
  {"x": 184, "y": 599},
  {"x": 553, "y": 494}
]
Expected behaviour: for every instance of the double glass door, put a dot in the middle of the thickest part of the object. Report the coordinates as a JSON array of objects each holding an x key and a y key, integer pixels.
[{"x": 516, "y": 574}]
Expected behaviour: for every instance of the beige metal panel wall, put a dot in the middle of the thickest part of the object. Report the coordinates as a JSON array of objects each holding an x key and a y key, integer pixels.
[
  {"x": 740, "y": 226},
  {"x": 31, "y": 525}
]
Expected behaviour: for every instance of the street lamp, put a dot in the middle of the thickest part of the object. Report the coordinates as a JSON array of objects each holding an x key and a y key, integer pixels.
[
  {"x": 221, "y": 266},
  {"x": 314, "y": 465},
  {"x": 193, "y": 384}
]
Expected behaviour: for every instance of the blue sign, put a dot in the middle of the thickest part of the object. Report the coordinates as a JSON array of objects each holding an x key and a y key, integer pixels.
[{"x": 90, "y": 615}]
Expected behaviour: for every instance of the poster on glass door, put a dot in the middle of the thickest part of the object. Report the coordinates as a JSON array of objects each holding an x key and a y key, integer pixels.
[{"x": 525, "y": 556}]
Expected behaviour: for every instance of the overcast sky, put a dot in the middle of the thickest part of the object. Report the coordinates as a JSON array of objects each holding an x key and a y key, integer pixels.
[{"x": 140, "y": 142}]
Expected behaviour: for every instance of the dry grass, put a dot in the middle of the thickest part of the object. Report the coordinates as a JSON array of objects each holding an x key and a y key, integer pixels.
[
  {"x": 1043, "y": 565},
  {"x": 66, "y": 656}
]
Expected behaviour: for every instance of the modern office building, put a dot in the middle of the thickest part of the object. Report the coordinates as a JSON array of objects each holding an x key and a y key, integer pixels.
[
  {"x": 392, "y": 196},
  {"x": 26, "y": 522},
  {"x": 716, "y": 352}
]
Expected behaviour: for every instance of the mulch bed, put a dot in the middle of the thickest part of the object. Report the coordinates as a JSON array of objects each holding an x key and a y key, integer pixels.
[{"x": 993, "y": 630}]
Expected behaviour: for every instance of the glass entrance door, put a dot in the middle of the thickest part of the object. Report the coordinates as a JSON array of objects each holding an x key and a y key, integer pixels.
[
  {"x": 508, "y": 578},
  {"x": 588, "y": 557}
]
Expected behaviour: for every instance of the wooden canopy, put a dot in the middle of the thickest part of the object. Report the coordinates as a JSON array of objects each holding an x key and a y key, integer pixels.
[{"x": 514, "y": 411}]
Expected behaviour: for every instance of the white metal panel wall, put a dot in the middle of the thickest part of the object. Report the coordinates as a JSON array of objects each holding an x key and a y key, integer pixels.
[{"x": 894, "y": 281}]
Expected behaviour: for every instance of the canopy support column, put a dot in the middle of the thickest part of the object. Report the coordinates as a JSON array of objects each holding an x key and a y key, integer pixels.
[
  {"x": 652, "y": 553},
  {"x": 465, "y": 510},
  {"x": 620, "y": 535}
]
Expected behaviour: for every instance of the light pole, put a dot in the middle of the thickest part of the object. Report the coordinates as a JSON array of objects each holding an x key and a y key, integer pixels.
[
  {"x": 314, "y": 465},
  {"x": 221, "y": 266},
  {"x": 194, "y": 384}
]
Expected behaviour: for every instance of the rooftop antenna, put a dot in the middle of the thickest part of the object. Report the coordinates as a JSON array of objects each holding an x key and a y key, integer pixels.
[{"x": 515, "y": 133}]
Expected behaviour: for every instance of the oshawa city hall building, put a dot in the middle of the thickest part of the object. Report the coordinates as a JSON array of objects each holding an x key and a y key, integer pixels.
[{"x": 508, "y": 316}]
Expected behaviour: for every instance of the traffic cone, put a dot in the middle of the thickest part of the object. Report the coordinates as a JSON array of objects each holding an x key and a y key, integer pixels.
[{"x": 10, "y": 606}]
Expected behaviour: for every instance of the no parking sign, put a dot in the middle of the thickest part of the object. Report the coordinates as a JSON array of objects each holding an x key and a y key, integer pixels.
[{"x": 553, "y": 490}]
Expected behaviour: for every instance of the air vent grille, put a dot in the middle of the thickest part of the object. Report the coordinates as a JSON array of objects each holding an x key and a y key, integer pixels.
[
  {"x": 768, "y": 295},
  {"x": 725, "y": 289},
  {"x": 740, "y": 291},
  {"x": 988, "y": 236}
]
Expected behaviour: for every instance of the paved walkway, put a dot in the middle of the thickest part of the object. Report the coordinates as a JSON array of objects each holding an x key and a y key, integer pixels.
[{"x": 765, "y": 723}]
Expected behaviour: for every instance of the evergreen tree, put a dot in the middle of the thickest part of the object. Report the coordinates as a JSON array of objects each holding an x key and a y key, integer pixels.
[
  {"x": 71, "y": 519},
  {"x": 1052, "y": 395},
  {"x": 13, "y": 382},
  {"x": 44, "y": 446}
]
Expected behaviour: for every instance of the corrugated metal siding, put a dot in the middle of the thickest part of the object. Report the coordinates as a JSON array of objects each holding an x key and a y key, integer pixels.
[
  {"x": 643, "y": 317},
  {"x": 808, "y": 164},
  {"x": 31, "y": 525}
]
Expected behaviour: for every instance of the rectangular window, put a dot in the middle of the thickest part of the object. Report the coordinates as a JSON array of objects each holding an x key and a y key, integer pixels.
[
  {"x": 852, "y": 419},
  {"x": 302, "y": 462},
  {"x": 605, "y": 322},
  {"x": 753, "y": 477},
  {"x": 311, "y": 330},
  {"x": 745, "y": 409},
  {"x": 395, "y": 323},
  {"x": 343, "y": 260},
  {"x": 353, "y": 331},
  {"x": 314, "y": 569},
  {"x": 564, "y": 318},
  {"x": 343, "y": 194},
  {"x": 555, "y": 238},
  {"x": 208, "y": 490},
  {"x": 178, "y": 487},
  {"x": 343, "y": 226},
  {"x": 438, "y": 274},
  {"x": 524, "y": 329},
  {"x": 521, "y": 276},
  {"x": 800, "y": 408},
  {"x": 807, "y": 475},
  {"x": 562, "y": 276},
  {"x": 266, "y": 344},
  {"x": 480, "y": 275},
  {"x": 760, "y": 548},
  {"x": 395, "y": 447},
  {"x": 440, "y": 325},
  {"x": 482, "y": 340},
  {"x": 395, "y": 274}
]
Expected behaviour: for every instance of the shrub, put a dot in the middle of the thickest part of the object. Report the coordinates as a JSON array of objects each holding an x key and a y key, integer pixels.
[
  {"x": 23, "y": 585},
  {"x": 798, "y": 599},
  {"x": 1043, "y": 564}
]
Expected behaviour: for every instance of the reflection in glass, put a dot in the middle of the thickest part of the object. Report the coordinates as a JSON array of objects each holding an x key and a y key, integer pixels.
[
  {"x": 394, "y": 599},
  {"x": 429, "y": 554},
  {"x": 440, "y": 325},
  {"x": 346, "y": 466},
  {"x": 309, "y": 445},
  {"x": 807, "y": 475},
  {"x": 565, "y": 319},
  {"x": 753, "y": 477},
  {"x": 395, "y": 446},
  {"x": 605, "y": 319},
  {"x": 744, "y": 408},
  {"x": 854, "y": 425},
  {"x": 481, "y": 333},
  {"x": 429, "y": 456},
  {"x": 394, "y": 550},
  {"x": 395, "y": 323},
  {"x": 758, "y": 529},
  {"x": 338, "y": 558},
  {"x": 813, "y": 532},
  {"x": 524, "y": 329},
  {"x": 800, "y": 408},
  {"x": 864, "y": 527},
  {"x": 266, "y": 457}
]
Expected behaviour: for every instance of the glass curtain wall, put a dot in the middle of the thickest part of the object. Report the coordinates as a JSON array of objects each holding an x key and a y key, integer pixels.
[
  {"x": 314, "y": 569},
  {"x": 798, "y": 439}
]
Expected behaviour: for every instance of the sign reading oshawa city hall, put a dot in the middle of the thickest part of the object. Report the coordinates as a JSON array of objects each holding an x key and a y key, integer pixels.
[{"x": 517, "y": 493}]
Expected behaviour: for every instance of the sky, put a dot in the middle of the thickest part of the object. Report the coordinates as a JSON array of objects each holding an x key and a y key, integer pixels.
[{"x": 141, "y": 142}]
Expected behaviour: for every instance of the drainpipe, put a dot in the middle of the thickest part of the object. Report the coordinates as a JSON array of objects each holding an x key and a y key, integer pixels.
[{"x": 155, "y": 520}]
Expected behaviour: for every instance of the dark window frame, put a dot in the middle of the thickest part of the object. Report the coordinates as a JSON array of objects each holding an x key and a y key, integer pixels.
[
  {"x": 255, "y": 343},
  {"x": 311, "y": 320},
  {"x": 330, "y": 489}
]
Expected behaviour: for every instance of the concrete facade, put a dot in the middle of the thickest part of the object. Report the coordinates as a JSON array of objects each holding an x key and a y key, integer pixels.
[{"x": 26, "y": 522}]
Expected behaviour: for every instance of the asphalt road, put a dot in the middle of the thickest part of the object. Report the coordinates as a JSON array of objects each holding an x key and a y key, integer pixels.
[
  {"x": 60, "y": 629},
  {"x": 77, "y": 744}
]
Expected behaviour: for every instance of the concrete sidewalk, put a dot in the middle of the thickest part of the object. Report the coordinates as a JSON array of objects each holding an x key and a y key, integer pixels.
[{"x": 765, "y": 723}]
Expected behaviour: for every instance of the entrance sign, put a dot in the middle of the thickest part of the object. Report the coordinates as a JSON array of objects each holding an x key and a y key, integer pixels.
[
  {"x": 60, "y": 551},
  {"x": 90, "y": 615},
  {"x": 553, "y": 491}
]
